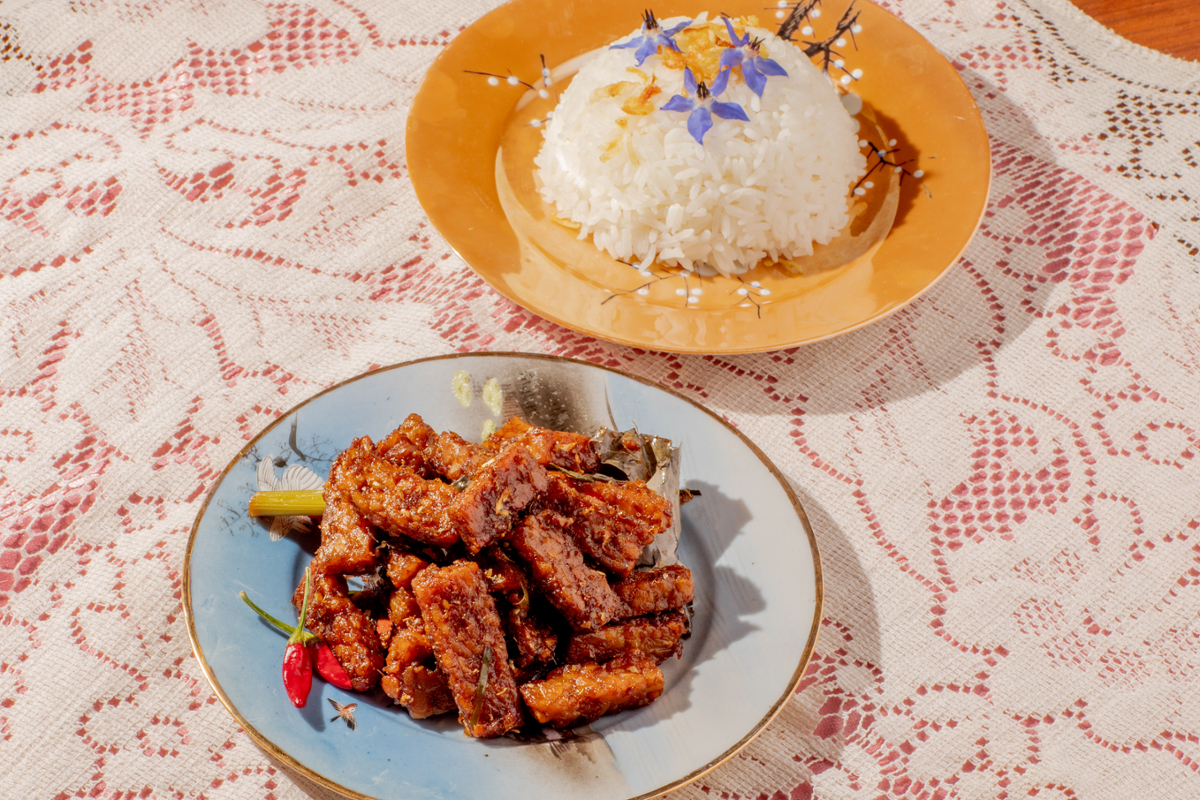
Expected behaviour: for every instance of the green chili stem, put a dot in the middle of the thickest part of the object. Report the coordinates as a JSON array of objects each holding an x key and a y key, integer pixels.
[
  {"x": 298, "y": 635},
  {"x": 283, "y": 626}
]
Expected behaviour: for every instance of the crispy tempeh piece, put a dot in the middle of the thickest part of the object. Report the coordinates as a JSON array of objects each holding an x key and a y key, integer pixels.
[
  {"x": 578, "y": 693},
  {"x": 571, "y": 451},
  {"x": 535, "y": 640},
  {"x": 611, "y": 522},
  {"x": 405, "y": 446},
  {"x": 407, "y": 677},
  {"x": 348, "y": 631},
  {"x": 654, "y": 591},
  {"x": 557, "y": 568},
  {"x": 657, "y": 637},
  {"x": 462, "y": 624},
  {"x": 347, "y": 541},
  {"x": 402, "y": 607},
  {"x": 395, "y": 498},
  {"x": 425, "y": 692},
  {"x": 403, "y": 566},
  {"x": 453, "y": 457},
  {"x": 486, "y": 510},
  {"x": 409, "y": 646},
  {"x": 501, "y": 574}
]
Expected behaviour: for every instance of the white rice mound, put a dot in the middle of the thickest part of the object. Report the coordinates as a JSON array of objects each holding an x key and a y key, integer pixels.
[{"x": 770, "y": 187}]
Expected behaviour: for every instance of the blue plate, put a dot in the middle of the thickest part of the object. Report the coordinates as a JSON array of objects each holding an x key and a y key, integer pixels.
[{"x": 746, "y": 539}]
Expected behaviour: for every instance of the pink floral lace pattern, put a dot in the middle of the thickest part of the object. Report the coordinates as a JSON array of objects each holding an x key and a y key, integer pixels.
[{"x": 205, "y": 217}]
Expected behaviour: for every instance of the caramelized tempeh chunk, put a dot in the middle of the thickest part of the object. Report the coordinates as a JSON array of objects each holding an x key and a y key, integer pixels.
[
  {"x": 402, "y": 607},
  {"x": 557, "y": 568},
  {"x": 571, "y": 451},
  {"x": 348, "y": 631},
  {"x": 425, "y": 692},
  {"x": 611, "y": 522},
  {"x": 396, "y": 498},
  {"x": 501, "y": 574},
  {"x": 402, "y": 567},
  {"x": 409, "y": 646},
  {"x": 453, "y": 457},
  {"x": 655, "y": 590},
  {"x": 462, "y": 625},
  {"x": 347, "y": 542},
  {"x": 578, "y": 693},
  {"x": 486, "y": 510},
  {"x": 657, "y": 637},
  {"x": 405, "y": 446},
  {"x": 535, "y": 640}
]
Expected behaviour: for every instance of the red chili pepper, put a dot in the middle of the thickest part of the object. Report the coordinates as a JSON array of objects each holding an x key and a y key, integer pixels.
[
  {"x": 297, "y": 665},
  {"x": 297, "y": 673},
  {"x": 304, "y": 649},
  {"x": 329, "y": 667}
]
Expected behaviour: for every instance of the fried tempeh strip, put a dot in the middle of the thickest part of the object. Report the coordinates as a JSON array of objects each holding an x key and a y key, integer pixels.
[
  {"x": 349, "y": 632},
  {"x": 571, "y": 451},
  {"x": 611, "y": 522},
  {"x": 395, "y": 498},
  {"x": 557, "y": 568},
  {"x": 655, "y": 591},
  {"x": 405, "y": 446},
  {"x": 462, "y": 624},
  {"x": 579, "y": 693},
  {"x": 454, "y": 458},
  {"x": 486, "y": 510},
  {"x": 657, "y": 637},
  {"x": 347, "y": 541}
]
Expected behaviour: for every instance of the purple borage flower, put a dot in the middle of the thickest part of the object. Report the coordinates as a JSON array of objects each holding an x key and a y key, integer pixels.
[
  {"x": 652, "y": 36},
  {"x": 755, "y": 68},
  {"x": 702, "y": 105}
]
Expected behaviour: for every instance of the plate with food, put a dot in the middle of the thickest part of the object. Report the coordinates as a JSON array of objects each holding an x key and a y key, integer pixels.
[
  {"x": 693, "y": 179},
  {"x": 519, "y": 577}
]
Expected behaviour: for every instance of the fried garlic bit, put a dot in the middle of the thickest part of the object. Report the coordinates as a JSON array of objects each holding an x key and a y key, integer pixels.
[{"x": 635, "y": 96}]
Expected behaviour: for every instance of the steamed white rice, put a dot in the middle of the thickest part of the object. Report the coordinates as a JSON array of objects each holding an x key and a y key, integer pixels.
[{"x": 770, "y": 187}]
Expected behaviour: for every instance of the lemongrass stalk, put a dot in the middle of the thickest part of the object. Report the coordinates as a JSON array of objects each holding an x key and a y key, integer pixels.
[{"x": 288, "y": 503}]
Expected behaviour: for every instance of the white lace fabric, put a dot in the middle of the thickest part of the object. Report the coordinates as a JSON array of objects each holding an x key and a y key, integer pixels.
[{"x": 205, "y": 218}]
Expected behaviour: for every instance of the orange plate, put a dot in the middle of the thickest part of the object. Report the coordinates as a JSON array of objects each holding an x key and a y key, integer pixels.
[{"x": 463, "y": 133}]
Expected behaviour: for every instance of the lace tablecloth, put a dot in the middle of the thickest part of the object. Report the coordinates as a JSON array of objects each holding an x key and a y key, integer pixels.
[{"x": 206, "y": 218}]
